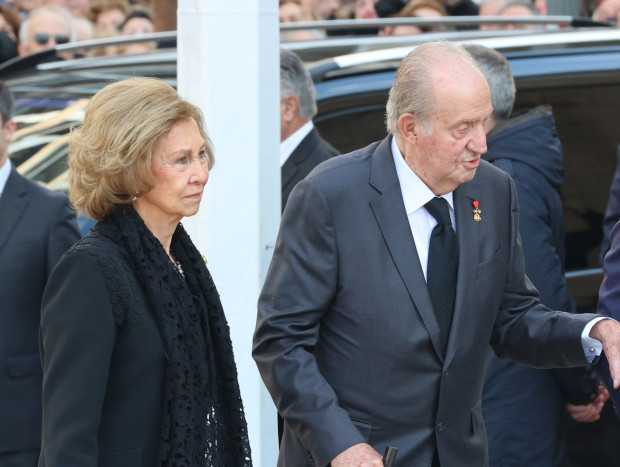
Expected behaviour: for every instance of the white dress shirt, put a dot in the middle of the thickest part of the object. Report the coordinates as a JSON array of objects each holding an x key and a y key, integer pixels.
[
  {"x": 289, "y": 144},
  {"x": 5, "y": 171},
  {"x": 415, "y": 195}
]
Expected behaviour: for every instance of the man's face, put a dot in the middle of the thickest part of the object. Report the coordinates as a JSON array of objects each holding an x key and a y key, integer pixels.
[
  {"x": 450, "y": 155},
  {"x": 45, "y": 31}
]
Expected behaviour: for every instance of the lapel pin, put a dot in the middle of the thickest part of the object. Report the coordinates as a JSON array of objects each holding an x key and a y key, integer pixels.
[{"x": 476, "y": 211}]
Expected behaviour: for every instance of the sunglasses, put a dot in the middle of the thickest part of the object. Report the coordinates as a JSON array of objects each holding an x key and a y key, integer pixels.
[{"x": 42, "y": 38}]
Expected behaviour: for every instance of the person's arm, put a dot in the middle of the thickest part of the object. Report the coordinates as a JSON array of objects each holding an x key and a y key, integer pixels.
[
  {"x": 301, "y": 283},
  {"x": 63, "y": 232},
  {"x": 78, "y": 336},
  {"x": 552, "y": 339},
  {"x": 542, "y": 231},
  {"x": 609, "y": 304}
]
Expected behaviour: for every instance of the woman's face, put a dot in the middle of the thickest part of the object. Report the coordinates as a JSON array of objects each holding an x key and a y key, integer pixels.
[{"x": 180, "y": 172}]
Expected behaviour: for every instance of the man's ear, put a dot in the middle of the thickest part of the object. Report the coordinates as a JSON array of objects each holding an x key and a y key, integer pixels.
[
  {"x": 408, "y": 128},
  {"x": 290, "y": 108},
  {"x": 9, "y": 129}
]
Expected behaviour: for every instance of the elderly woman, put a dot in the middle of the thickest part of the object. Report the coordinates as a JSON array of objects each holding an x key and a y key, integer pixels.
[{"x": 138, "y": 368}]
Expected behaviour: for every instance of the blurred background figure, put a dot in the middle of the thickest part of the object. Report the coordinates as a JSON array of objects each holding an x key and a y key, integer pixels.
[
  {"x": 26, "y": 6},
  {"x": 37, "y": 226},
  {"x": 607, "y": 10},
  {"x": 524, "y": 408},
  {"x": 138, "y": 21},
  {"x": 417, "y": 9},
  {"x": 293, "y": 11},
  {"x": 84, "y": 28},
  {"x": 508, "y": 8},
  {"x": 327, "y": 9},
  {"x": 365, "y": 9},
  {"x": 10, "y": 23},
  {"x": 137, "y": 365},
  {"x": 45, "y": 28},
  {"x": 301, "y": 146},
  {"x": 490, "y": 7},
  {"x": 79, "y": 8},
  {"x": 290, "y": 11},
  {"x": 108, "y": 15},
  {"x": 521, "y": 8},
  {"x": 84, "y": 31}
]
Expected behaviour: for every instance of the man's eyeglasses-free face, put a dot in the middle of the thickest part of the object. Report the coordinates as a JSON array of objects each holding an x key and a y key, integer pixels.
[{"x": 43, "y": 38}]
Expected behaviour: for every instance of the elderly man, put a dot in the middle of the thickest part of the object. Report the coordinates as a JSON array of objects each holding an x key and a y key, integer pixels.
[
  {"x": 395, "y": 267},
  {"x": 301, "y": 146},
  {"x": 36, "y": 227},
  {"x": 45, "y": 28}
]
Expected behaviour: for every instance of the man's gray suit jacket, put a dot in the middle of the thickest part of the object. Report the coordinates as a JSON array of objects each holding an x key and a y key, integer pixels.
[{"x": 347, "y": 341}]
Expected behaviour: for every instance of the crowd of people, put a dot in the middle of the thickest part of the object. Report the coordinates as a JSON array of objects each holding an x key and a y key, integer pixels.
[
  {"x": 313, "y": 10},
  {"x": 35, "y": 26}
]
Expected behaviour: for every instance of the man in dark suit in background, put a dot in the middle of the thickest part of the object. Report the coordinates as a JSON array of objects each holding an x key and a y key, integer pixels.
[
  {"x": 376, "y": 314},
  {"x": 36, "y": 227},
  {"x": 524, "y": 408},
  {"x": 301, "y": 146}
]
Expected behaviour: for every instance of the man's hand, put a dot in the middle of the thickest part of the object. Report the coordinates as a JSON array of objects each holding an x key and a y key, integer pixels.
[
  {"x": 607, "y": 331},
  {"x": 358, "y": 455},
  {"x": 591, "y": 412}
]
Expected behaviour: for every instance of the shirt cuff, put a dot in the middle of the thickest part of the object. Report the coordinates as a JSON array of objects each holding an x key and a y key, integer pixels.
[{"x": 592, "y": 348}]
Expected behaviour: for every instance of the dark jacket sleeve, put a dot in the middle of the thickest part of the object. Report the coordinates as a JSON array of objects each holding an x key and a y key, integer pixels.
[
  {"x": 609, "y": 304},
  {"x": 78, "y": 336},
  {"x": 299, "y": 287},
  {"x": 554, "y": 341},
  {"x": 612, "y": 213}
]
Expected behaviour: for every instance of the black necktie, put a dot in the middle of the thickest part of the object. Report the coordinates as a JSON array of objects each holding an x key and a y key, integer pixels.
[{"x": 443, "y": 260}]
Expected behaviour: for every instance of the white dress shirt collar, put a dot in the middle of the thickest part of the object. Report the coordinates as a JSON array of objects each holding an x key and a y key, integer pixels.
[
  {"x": 5, "y": 171},
  {"x": 415, "y": 193},
  {"x": 289, "y": 144}
]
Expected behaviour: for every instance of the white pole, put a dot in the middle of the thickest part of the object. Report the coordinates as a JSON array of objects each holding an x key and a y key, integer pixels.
[{"x": 228, "y": 66}]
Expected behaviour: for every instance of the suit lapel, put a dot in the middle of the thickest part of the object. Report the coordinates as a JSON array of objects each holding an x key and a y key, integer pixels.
[
  {"x": 468, "y": 234},
  {"x": 300, "y": 154},
  {"x": 13, "y": 204},
  {"x": 389, "y": 211}
]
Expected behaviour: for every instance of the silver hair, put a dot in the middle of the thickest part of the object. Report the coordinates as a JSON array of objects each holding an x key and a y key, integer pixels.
[
  {"x": 295, "y": 80},
  {"x": 413, "y": 89},
  {"x": 496, "y": 71},
  {"x": 54, "y": 9}
]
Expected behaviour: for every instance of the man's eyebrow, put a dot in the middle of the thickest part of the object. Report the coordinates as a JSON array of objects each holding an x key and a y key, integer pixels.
[{"x": 470, "y": 121}]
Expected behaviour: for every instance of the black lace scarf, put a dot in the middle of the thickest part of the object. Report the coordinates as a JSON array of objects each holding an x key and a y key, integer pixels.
[{"x": 203, "y": 421}]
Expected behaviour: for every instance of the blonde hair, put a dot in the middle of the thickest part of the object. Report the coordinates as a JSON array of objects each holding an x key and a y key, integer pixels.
[{"x": 110, "y": 154}]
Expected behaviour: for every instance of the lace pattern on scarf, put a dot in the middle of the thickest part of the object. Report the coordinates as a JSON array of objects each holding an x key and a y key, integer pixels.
[{"x": 203, "y": 420}]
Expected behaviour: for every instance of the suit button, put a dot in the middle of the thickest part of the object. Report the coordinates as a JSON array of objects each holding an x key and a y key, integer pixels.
[
  {"x": 440, "y": 427},
  {"x": 445, "y": 373}
]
